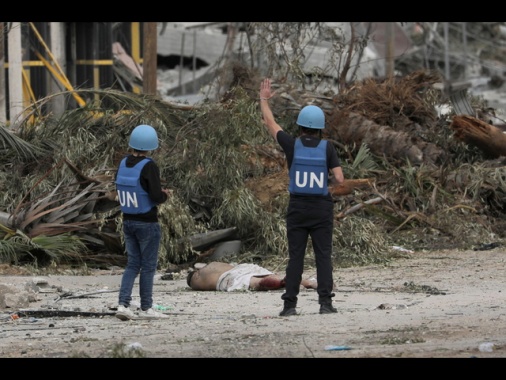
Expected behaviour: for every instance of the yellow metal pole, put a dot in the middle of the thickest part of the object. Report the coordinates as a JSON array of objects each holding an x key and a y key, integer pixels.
[
  {"x": 96, "y": 81},
  {"x": 60, "y": 74},
  {"x": 136, "y": 49},
  {"x": 28, "y": 95},
  {"x": 63, "y": 80}
]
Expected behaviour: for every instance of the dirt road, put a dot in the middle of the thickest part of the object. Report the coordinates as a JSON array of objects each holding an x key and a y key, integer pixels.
[{"x": 445, "y": 304}]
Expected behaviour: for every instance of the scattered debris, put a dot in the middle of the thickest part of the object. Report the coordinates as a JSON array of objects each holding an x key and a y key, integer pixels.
[
  {"x": 44, "y": 313},
  {"x": 487, "y": 246}
]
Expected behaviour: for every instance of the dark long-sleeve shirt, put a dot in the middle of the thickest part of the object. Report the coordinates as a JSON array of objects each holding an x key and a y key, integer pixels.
[{"x": 150, "y": 181}]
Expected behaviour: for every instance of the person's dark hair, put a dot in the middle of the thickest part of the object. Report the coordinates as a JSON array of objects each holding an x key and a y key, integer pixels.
[
  {"x": 310, "y": 131},
  {"x": 189, "y": 277}
]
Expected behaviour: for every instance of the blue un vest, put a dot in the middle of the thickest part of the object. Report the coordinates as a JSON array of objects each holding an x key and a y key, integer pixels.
[
  {"x": 309, "y": 172},
  {"x": 133, "y": 199}
]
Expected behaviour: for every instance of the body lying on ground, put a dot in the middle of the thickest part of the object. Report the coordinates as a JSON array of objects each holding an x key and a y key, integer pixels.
[{"x": 227, "y": 277}]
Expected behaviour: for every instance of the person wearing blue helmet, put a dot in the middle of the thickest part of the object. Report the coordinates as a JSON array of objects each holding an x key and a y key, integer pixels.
[
  {"x": 139, "y": 193},
  {"x": 310, "y": 210}
]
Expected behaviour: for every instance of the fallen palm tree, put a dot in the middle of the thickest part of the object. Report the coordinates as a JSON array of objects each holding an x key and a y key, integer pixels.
[
  {"x": 225, "y": 171},
  {"x": 395, "y": 117},
  {"x": 384, "y": 141}
]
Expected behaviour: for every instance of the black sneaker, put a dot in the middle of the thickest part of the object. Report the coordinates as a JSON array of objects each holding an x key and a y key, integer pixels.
[
  {"x": 326, "y": 308},
  {"x": 287, "y": 311}
]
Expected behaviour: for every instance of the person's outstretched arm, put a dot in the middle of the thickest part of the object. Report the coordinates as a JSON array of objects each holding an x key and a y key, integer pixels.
[
  {"x": 337, "y": 176},
  {"x": 265, "y": 95}
]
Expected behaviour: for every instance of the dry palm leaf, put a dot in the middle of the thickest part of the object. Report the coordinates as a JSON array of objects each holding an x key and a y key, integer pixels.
[{"x": 12, "y": 145}]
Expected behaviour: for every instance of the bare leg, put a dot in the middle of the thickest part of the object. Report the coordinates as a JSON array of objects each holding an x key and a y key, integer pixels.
[
  {"x": 274, "y": 282},
  {"x": 310, "y": 283},
  {"x": 271, "y": 282}
]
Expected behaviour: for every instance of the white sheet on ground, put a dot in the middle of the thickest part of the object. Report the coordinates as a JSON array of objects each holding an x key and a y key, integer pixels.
[{"x": 239, "y": 276}]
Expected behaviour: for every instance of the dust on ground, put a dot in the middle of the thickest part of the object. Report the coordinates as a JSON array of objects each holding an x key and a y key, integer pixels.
[{"x": 429, "y": 305}]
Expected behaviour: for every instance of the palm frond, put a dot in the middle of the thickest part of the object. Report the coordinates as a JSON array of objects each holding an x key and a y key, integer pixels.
[
  {"x": 363, "y": 164},
  {"x": 13, "y": 146}
]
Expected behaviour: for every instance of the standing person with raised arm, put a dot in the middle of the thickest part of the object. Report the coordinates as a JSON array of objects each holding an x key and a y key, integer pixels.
[{"x": 311, "y": 208}]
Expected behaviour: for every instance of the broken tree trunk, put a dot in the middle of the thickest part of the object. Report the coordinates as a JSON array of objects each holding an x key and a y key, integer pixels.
[
  {"x": 354, "y": 128},
  {"x": 489, "y": 139},
  {"x": 349, "y": 185}
]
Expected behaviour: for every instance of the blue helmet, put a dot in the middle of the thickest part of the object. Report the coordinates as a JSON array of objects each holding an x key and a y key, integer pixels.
[
  {"x": 144, "y": 138},
  {"x": 311, "y": 117}
]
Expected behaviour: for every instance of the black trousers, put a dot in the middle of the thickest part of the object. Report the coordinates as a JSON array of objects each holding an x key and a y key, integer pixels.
[{"x": 309, "y": 218}]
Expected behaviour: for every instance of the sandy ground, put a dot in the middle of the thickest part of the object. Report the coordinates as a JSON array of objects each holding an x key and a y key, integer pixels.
[{"x": 445, "y": 304}]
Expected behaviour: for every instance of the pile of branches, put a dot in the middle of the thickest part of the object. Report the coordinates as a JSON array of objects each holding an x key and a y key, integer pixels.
[{"x": 425, "y": 189}]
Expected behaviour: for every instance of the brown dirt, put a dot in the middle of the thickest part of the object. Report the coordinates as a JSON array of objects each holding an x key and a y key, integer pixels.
[{"x": 429, "y": 305}]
